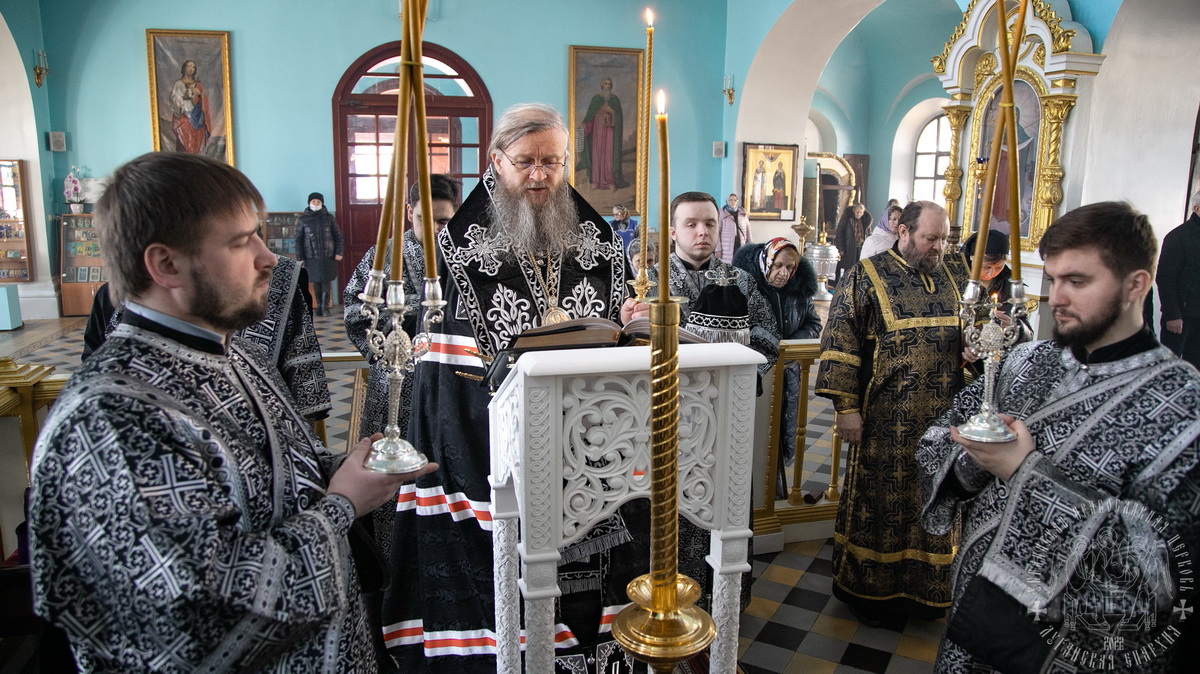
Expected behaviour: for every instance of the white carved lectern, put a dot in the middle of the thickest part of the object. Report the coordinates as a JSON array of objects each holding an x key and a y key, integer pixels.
[{"x": 570, "y": 442}]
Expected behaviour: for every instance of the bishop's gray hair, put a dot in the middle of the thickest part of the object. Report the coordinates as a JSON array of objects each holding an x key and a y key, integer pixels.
[{"x": 521, "y": 120}]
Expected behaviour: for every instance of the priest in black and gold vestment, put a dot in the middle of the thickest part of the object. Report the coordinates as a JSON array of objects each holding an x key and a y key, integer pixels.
[{"x": 891, "y": 357}]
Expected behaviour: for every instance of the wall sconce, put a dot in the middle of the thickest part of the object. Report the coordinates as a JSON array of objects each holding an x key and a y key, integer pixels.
[
  {"x": 41, "y": 68},
  {"x": 728, "y": 90}
]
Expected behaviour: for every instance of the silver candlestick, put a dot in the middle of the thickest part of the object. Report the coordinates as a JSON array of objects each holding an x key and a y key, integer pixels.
[
  {"x": 990, "y": 341},
  {"x": 398, "y": 353}
]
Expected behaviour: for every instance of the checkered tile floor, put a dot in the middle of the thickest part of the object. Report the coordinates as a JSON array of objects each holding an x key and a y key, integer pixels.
[{"x": 792, "y": 624}]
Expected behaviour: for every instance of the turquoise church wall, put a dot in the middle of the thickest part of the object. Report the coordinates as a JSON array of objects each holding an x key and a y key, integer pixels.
[
  {"x": 877, "y": 74},
  {"x": 1097, "y": 16},
  {"x": 746, "y": 25},
  {"x": 25, "y": 24},
  {"x": 287, "y": 57}
]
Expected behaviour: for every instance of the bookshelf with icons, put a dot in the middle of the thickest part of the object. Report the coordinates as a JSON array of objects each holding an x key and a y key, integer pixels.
[
  {"x": 15, "y": 255},
  {"x": 82, "y": 267},
  {"x": 280, "y": 232},
  {"x": 14, "y": 252}
]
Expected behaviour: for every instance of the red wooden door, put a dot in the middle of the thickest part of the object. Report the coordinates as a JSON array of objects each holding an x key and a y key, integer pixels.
[{"x": 459, "y": 119}]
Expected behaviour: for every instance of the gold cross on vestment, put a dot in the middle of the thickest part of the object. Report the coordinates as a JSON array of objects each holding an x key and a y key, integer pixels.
[{"x": 945, "y": 379}]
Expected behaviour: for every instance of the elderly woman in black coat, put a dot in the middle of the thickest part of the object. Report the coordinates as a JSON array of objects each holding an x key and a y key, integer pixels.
[{"x": 788, "y": 282}]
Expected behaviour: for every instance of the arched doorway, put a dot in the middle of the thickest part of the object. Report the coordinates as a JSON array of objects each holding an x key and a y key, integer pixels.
[{"x": 459, "y": 117}]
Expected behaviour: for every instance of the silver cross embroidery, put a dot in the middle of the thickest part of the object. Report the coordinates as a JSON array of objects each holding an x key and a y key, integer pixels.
[
  {"x": 1183, "y": 611},
  {"x": 485, "y": 249},
  {"x": 721, "y": 275},
  {"x": 586, "y": 243}
]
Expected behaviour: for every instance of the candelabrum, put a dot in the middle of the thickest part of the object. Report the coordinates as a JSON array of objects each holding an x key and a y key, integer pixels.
[
  {"x": 397, "y": 354},
  {"x": 989, "y": 340}
]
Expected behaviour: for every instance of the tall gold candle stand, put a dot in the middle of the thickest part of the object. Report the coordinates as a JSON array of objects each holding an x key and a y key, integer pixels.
[{"x": 663, "y": 626}]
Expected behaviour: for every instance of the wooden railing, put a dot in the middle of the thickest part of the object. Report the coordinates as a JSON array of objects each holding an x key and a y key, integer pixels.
[
  {"x": 769, "y": 518},
  {"x": 26, "y": 388}
]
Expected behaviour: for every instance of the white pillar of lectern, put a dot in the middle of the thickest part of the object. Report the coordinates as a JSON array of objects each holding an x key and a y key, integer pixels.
[{"x": 570, "y": 442}]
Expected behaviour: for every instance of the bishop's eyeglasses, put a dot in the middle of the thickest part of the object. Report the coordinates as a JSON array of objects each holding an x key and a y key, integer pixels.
[{"x": 528, "y": 166}]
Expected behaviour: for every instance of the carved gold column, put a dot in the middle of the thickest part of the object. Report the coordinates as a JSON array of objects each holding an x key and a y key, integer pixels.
[
  {"x": 662, "y": 626},
  {"x": 1049, "y": 192},
  {"x": 957, "y": 116}
]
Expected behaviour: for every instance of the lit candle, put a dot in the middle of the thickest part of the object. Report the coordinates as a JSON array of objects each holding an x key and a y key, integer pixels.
[
  {"x": 664, "y": 202},
  {"x": 644, "y": 137}
]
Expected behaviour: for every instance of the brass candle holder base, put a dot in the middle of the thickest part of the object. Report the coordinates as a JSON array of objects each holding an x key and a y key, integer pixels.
[
  {"x": 663, "y": 639},
  {"x": 641, "y": 285}
]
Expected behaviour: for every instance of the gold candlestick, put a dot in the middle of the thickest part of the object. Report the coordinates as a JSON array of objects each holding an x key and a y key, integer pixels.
[
  {"x": 662, "y": 626},
  {"x": 802, "y": 230}
]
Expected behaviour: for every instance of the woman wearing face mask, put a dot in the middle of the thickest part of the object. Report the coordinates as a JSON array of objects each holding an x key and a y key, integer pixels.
[
  {"x": 788, "y": 282},
  {"x": 996, "y": 272},
  {"x": 995, "y": 278}
]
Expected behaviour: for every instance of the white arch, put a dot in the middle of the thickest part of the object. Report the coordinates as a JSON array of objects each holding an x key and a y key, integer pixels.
[
  {"x": 904, "y": 145},
  {"x": 826, "y": 136},
  {"x": 19, "y": 140},
  {"x": 800, "y": 44}
]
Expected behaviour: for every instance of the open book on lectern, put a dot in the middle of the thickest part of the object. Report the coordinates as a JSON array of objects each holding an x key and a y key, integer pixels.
[
  {"x": 579, "y": 333},
  {"x": 583, "y": 333}
]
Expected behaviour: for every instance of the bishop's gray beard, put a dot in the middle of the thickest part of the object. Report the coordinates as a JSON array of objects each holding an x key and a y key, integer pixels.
[{"x": 543, "y": 229}]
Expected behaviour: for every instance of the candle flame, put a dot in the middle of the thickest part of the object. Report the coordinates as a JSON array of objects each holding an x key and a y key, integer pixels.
[
  {"x": 662, "y": 102},
  {"x": 649, "y": 18}
]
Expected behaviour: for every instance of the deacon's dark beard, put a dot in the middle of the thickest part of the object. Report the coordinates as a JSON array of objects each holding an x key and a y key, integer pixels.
[
  {"x": 535, "y": 228},
  {"x": 926, "y": 264},
  {"x": 1085, "y": 332},
  {"x": 207, "y": 303}
]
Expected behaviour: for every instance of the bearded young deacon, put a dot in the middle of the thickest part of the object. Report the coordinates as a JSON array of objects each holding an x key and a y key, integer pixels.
[
  {"x": 1080, "y": 536},
  {"x": 524, "y": 250},
  {"x": 183, "y": 516}
]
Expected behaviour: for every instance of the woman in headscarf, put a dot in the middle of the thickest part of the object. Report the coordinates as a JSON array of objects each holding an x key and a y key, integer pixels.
[{"x": 788, "y": 282}]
